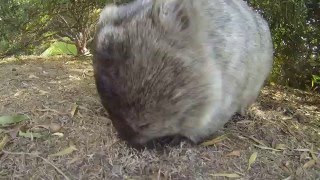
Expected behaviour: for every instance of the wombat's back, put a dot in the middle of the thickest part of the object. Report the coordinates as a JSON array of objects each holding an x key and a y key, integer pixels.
[{"x": 241, "y": 42}]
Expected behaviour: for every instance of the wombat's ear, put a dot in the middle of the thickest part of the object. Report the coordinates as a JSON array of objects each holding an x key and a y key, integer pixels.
[
  {"x": 114, "y": 14},
  {"x": 108, "y": 15},
  {"x": 175, "y": 15}
]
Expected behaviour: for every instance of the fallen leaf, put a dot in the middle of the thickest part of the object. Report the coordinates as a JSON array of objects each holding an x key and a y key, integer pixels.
[
  {"x": 286, "y": 118},
  {"x": 281, "y": 146},
  {"x": 37, "y": 128},
  {"x": 285, "y": 167},
  {"x": 66, "y": 151},
  {"x": 4, "y": 141},
  {"x": 18, "y": 93},
  {"x": 242, "y": 137},
  {"x": 53, "y": 127},
  {"x": 8, "y": 120},
  {"x": 73, "y": 160},
  {"x": 252, "y": 159},
  {"x": 74, "y": 109},
  {"x": 257, "y": 141},
  {"x": 214, "y": 141},
  {"x": 234, "y": 153},
  {"x": 288, "y": 178},
  {"x": 302, "y": 150},
  {"x": 313, "y": 154},
  {"x": 309, "y": 164},
  {"x": 58, "y": 134},
  {"x": 31, "y": 76},
  {"x": 226, "y": 175},
  {"x": 75, "y": 78},
  {"x": 42, "y": 92},
  {"x": 30, "y": 135}
]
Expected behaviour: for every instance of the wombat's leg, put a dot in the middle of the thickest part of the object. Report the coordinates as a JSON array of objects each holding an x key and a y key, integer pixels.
[
  {"x": 244, "y": 107},
  {"x": 201, "y": 137},
  {"x": 176, "y": 140},
  {"x": 196, "y": 139}
]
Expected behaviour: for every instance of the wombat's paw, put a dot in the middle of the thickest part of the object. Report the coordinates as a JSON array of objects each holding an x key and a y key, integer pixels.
[
  {"x": 177, "y": 140},
  {"x": 197, "y": 140},
  {"x": 201, "y": 139}
]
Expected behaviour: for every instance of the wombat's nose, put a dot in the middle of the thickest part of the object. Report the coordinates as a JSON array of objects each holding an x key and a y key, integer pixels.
[
  {"x": 135, "y": 142},
  {"x": 125, "y": 132},
  {"x": 139, "y": 140}
]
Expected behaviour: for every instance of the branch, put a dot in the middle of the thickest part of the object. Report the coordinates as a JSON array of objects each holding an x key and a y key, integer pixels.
[
  {"x": 63, "y": 40},
  {"x": 66, "y": 23},
  {"x": 64, "y": 20}
]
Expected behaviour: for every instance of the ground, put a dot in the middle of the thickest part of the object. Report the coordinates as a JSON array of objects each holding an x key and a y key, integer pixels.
[{"x": 279, "y": 138}]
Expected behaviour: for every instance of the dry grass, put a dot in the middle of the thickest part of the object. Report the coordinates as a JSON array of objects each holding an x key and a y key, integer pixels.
[{"x": 283, "y": 127}]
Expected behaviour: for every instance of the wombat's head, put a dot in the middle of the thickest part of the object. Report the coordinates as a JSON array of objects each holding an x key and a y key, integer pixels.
[{"x": 147, "y": 68}]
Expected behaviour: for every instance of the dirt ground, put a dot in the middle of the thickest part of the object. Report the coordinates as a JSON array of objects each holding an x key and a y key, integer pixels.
[{"x": 279, "y": 139}]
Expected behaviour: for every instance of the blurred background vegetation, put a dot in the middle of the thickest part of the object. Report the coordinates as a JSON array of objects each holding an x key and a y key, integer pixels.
[{"x": 54, "y": 27}]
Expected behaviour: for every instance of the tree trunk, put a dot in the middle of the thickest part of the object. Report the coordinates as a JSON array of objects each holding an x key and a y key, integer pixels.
[
  {"x": 81, "y": 44},
  {"x": 81, "y": 48}
]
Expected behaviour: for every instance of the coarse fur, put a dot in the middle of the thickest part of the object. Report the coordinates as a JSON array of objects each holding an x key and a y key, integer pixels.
[{"x": 179, "y": 67}]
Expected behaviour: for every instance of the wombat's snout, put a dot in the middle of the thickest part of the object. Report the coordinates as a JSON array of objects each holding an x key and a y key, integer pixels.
[
  {"x": 129, "y": 134},
  {"x": 136, "y": 140}
]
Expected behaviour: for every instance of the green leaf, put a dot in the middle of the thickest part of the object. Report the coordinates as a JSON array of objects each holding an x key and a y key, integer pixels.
[
  {"x": 214, "y": 141},
  {"x": 30, "y": 135},
  {"x": 74, "y": 109},
  {"x": 252, "y": 159},
  {"x": 315, "y": 80},
  {"x": 60, "y": 48},
  {"x": 66, "y": 151},
  {"x": 8, "y": 120},
  {"x": 4, "y": 141},
  {"x": 281, "y": 146},
  {"x": 309, "y": 164}
]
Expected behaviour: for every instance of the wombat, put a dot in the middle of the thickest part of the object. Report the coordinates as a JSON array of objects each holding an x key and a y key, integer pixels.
[{"x": 179, "y": 67}]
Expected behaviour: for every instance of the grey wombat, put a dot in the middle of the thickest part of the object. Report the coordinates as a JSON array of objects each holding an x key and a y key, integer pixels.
[{"x": 179, "y": 67}]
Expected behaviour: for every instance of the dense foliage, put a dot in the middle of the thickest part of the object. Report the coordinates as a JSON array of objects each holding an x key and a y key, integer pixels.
[
  {"x": 295, "y": 26},
  {"x": 30, "y": 26}
]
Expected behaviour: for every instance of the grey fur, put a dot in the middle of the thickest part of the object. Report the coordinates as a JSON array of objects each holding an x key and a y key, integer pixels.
[{"x": 168, "y": 67}]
